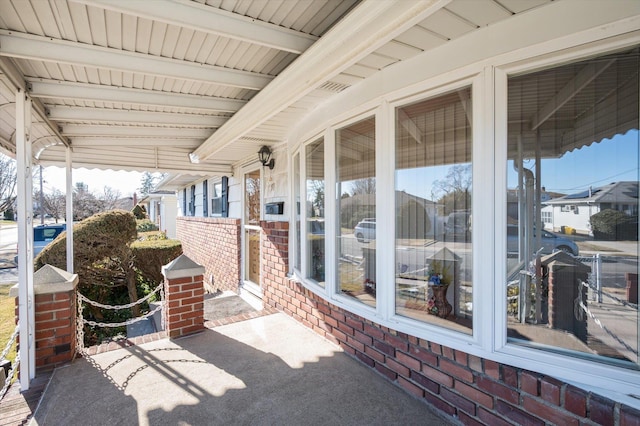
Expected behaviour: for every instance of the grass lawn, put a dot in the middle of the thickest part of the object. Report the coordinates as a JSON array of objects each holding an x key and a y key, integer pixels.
[{"x": 7, "y": 319}]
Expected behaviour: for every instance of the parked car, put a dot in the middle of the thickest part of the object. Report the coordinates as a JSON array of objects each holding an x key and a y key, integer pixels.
[
  {"x": 550, "y": 242},
  {"x": 42, "y": 236},
  {"x": 365, "y": 230},
  {"x": 458, "y": 226}
]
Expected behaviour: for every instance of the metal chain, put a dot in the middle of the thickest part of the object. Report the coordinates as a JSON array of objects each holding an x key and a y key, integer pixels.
[
  {"x": 10, "y": 343},
  {"x": 611, "y": 296},
  {"x": 609, "y": 332},
  {"x": 125, "y": 323},
  {"x": 117, "y": 307},
  {"x": 10, "y": 376}
]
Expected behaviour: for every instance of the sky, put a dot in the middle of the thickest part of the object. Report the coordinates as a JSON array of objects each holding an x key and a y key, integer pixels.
[{"x": 125, "y": 182}]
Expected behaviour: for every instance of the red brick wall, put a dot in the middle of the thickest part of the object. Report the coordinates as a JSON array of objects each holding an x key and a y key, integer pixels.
[
  {"x": 215, "y": 244},
  {"x": 475, "y": 390},
  {"x": 185, "y": 306},
  {"x": 55, "y": 328}
]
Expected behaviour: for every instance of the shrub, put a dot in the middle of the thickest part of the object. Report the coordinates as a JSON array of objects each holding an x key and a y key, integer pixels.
[
  {"x": 150, "y": 255},
  {"x": 614, "y": 225},
  {"x": 139, "y": 212},
  {"x": 102, "y": 260},
  {"x": 145, "y": 225}
]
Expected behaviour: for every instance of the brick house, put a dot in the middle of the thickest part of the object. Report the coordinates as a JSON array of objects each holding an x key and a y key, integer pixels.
[{"x": 456, "y": 102}]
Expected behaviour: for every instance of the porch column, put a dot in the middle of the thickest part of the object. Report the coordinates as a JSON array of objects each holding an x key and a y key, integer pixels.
[
  {"x": 69, "y": 214},
  {"x": 184, "y": 297},
  {"x": 25, "y": 238}
]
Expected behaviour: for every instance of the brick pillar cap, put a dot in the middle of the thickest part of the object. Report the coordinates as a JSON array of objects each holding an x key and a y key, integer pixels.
[
  {"x": 181, "y": 267},
  {"x": 50, "y": 279}
]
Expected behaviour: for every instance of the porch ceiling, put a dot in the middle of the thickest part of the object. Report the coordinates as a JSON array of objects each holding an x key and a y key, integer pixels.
[{"x": 194, "y": 87}]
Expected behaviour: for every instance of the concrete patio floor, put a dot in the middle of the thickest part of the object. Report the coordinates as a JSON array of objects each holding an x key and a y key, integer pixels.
[{"x": 266, "y": 370}]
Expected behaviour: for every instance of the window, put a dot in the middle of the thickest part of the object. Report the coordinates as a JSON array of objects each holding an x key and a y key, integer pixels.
[
  {"x": 192, "y": 202},
  {"x": 297, "y": 261},
  {"x": 433, "y": 190},
  {"x": 573, "y": 130},
  {"x": 315, "y": 265},
  {"x": 219, "y": 198},
  {"x": 205, "y": 198},
  {"x": 356, "y": 193}
]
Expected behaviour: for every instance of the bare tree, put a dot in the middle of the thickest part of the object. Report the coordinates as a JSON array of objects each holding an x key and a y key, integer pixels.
[
  {"x": 109, "y": 198},
  {"x": 454, "y": 191},
  {"x": 55, "y": 204},
  {"x": 7, "y": 182},
  {"x": 363, "y": 186}
]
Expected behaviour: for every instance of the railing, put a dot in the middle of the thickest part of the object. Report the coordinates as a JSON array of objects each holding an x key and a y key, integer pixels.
[
  {"x": 81, "y": 321},
  {"x": 14, "y": 366}
]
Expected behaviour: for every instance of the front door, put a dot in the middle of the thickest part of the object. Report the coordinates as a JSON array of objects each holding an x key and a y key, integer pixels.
[{"x": 251, "y": 232}]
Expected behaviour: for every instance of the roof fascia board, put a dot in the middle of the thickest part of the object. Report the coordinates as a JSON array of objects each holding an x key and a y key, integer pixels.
[
  {"x": 18, "y": 81},
  {"x": 71, "y": 114},
  {"x": 199, "y": 17},
  {"x": 54, "y": 89},
  {"x": 32, "y": 47},
  {"x": 367, "y": 27}
]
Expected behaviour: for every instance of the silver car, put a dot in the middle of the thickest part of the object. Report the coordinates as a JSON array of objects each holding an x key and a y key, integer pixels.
[
  {"x": 365, "y": 230},
  {"x": 550, "y": 242}
]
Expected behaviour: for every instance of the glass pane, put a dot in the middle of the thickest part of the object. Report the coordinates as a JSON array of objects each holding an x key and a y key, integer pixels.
[
  {"x": 296, "y": 191},
  {"x": 252, "y": 200},
  {"x": 433, "y": 211},
  {"x": 252, "y": 255},
  {"x": 315, "y": 211},
  {"x": 572, "y": 209},
  {"x": 356, "y": 189}
]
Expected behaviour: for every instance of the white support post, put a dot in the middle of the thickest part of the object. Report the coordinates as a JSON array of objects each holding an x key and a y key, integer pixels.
[
  {"x": 69, "y": 214},
  {"x": 26, "y": 308}
]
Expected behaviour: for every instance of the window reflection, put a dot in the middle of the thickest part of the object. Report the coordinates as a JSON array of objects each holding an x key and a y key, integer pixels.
[
  {"x": 315, "y": 211},
  {"x": 356, "y": 189},
  {"x": 572, "y": 209},
  {"x": 433, "y": 210}
]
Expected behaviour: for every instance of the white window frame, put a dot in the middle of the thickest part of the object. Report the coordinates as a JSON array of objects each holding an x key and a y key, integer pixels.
[
  {"x": 212, "y": 191},
  {"x": 489, "y": 90},
  {"x": 609, "y": 378}
]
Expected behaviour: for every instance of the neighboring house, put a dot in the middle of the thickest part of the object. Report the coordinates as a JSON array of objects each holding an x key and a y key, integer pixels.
[
  {"x": 408, "y": 95},
  {"x": 162, "y": 209},
  {"x": 575, "y": 210}
]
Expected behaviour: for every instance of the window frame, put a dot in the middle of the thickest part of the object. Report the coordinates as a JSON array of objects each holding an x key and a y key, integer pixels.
[
  {"x": 489, "y": 93},
  {"x": 610, "y": 378}
]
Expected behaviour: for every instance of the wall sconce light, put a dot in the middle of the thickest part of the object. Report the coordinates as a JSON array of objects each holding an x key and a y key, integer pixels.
[{"x": 265, "y": 157}]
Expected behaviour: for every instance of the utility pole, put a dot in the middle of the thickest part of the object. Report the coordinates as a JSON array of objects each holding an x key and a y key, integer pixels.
[{"x": 41, "y": 199}]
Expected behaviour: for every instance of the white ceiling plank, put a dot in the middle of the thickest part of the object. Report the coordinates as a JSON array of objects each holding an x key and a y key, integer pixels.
[
  {"x": 187, "y": 14},
  {"x": 86, "y": 141},
  {"x": 71, "y": 130},
  {"x": 368, "y": 26},
  {"x": 92, "y": 92},
  {"x": 45, "y": 49},
  {"x": 71, "y": 114}
]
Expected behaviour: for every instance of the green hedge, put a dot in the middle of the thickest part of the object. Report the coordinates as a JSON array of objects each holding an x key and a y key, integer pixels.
[
  {"x": 150, "y": 255},
  {"x": 145, "y": 225},
  {"x": 614, "y": 225}
]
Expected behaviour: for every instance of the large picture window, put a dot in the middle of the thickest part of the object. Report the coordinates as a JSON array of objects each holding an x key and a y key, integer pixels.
[
  {"x": 572, "y": 209},
  {"x": 315, "y": 266},
  {"x": 356, "y": 192},
  {"x": 433, "y": 189}
]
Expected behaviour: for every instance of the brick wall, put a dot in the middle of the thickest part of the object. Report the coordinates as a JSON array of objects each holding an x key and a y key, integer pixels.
[
  {"x": 215, "y": 244},
  {"x": 185, "y": 305},
  {"x": 55, "y": 328},
  {"x": 475, "y": 390}
]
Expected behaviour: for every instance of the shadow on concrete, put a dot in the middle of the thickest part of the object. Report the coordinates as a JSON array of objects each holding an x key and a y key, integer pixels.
[{"x": 268, "y": 370}]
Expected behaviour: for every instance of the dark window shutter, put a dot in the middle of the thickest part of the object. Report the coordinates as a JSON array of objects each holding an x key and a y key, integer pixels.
[
  {"x": 205, "y": 196},
  {"x": 225, "y": 196}
]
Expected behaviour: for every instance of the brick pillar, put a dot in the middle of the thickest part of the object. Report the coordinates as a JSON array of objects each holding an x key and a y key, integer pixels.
[
  {"x": 565, "y": 274},
  {"x": 55, "y": 315},
  {"x": 184, "y": 294}
]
